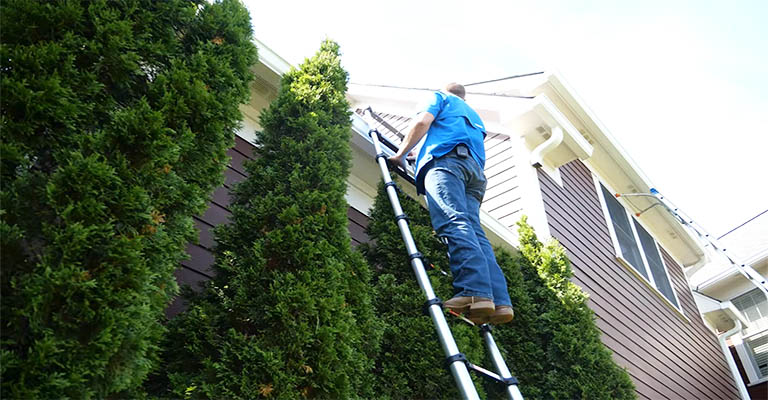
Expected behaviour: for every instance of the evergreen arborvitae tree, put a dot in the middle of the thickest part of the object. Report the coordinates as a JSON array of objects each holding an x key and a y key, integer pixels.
[
  {"x": 552, "y": 346},
  {"x": 115, "y": 120},
  {"x": 411, "y": 362},
  {"x": 289, "y": 313},
  {"x": 553, "y": 343}
]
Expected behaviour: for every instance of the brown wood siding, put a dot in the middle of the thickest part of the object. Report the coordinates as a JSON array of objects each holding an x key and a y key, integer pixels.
[
  {"x": 666, "y": 356},
  {"x": 198, "y": 268},
  {"x": 358, "y": 223}
]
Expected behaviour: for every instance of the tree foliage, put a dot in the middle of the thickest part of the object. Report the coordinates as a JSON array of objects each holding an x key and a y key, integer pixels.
[
  {"x": 554, "y": 344},
  {"x": 289, "y": 313},
  {"x": 115, "y": 119}
]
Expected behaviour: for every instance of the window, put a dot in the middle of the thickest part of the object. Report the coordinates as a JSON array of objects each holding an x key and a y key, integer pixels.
[
  {"x": 636, "y": 247},
  {"x": 655, "y": 264},
  {"x": 623, "y": 232}
]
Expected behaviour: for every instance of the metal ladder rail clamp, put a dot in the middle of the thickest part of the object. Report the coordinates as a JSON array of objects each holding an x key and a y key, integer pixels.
[
  {"x": 746, "y": 270},
  {"x": 457, "y": 362}
]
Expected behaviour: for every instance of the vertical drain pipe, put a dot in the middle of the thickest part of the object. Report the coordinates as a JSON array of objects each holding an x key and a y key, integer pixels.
[
  {"x": 731, "y": 362},
  {"x": 537, "y": 157}
]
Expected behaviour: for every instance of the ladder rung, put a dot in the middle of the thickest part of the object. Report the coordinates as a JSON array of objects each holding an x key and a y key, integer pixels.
[{"x": 492, "y": 375}]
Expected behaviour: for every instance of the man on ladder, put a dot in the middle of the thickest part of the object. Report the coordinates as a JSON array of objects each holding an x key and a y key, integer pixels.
[{"x": 449, "y": 171}]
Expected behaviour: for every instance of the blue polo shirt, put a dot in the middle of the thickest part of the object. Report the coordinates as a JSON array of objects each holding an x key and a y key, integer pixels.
[{"x": 455, "y": 122}]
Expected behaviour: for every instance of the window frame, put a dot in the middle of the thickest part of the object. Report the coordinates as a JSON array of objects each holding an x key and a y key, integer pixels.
[{"x": 650, "y": 281}]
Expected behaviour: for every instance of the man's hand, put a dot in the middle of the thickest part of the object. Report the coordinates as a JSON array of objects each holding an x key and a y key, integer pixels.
[{"x": 398, "y": 160}]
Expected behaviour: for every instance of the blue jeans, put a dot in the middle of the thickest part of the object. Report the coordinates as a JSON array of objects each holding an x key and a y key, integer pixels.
[{"x": 455, "y": 188}]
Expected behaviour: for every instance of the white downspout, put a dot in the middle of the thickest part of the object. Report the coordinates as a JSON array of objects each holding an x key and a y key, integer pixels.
[
  {"x": 732, "y": 362},
  {"x": 550, "y": 144}
]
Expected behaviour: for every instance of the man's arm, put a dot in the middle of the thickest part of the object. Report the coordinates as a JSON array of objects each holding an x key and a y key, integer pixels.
[{"x": 417, "y": 131}]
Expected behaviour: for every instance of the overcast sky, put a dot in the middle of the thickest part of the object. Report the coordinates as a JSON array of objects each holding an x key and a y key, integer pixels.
[{"x": 681, "y": 85}]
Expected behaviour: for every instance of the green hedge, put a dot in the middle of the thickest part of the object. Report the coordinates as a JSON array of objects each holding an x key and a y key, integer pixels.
[
  {"x": 552, "y": 346},
  {"x": 289, "y": 313},
  {"x": 116, "y": 117}
]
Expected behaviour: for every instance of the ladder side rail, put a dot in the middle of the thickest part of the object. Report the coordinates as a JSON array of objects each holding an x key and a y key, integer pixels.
[
  {"x": 405, "y": 233},
  {"x": 513, "y": 391},
  {"x": 457, "y": 367}
]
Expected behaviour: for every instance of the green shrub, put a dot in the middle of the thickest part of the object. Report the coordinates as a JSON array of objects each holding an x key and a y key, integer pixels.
[
  {"x": 552, "y": 346},
  {"x": 289, "y": 313},
  {"x": 116, "y": 118}
]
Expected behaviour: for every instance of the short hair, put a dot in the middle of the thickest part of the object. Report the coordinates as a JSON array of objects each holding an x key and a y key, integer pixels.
[{"x": 456, "y": 89}]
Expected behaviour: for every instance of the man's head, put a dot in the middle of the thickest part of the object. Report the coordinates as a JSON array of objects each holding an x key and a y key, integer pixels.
[{"x": 456, "y": 89}]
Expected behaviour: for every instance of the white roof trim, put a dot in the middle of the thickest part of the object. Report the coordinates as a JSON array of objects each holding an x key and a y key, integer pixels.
[
  {"x": 709, "y": 305},
  {"x": 270, "y": 59},
  {"x": 602, "y": 135},
  {"x": 541, "y": 111}
]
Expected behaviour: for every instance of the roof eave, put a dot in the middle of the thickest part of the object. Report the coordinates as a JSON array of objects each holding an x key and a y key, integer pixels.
[{"x": 635, "y": 176}]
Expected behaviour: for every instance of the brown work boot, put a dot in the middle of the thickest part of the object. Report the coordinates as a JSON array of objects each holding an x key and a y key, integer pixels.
[
  {"x": 502, "y": 315},
  {"x": 479, "y": 319},
  {"x": 478, "y": 306}
]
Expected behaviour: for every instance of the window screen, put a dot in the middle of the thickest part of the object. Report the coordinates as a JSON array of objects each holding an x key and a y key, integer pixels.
[
  {"x": 754, "y": 306},
  {"x": 627, "y": 244},
  {"x": 655, "y": 263}
]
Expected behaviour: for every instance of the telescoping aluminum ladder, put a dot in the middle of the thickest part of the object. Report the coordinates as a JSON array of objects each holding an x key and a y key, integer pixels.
[
  {"x": 456, "y": 362},
  {"x": 753, "y": 276}
]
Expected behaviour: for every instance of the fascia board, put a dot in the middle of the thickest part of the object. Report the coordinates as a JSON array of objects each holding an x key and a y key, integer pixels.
[
  {"x": 270, "y": 59},
  {"x": 573, "y": 138},
  {"x": 609, "y": 143},
  {"x": 706, "y": 304},
  {"x": 389, "y": 99},
  {"x": 599, "y": 132}
]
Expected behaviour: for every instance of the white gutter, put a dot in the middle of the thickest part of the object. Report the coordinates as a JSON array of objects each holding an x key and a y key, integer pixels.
[
  {"x": 537, "y": 157},
  {"x": 731, "y": 362}
]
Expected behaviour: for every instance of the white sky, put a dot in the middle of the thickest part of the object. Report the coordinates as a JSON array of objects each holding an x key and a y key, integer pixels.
[{"x": 680, "y": 84}]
